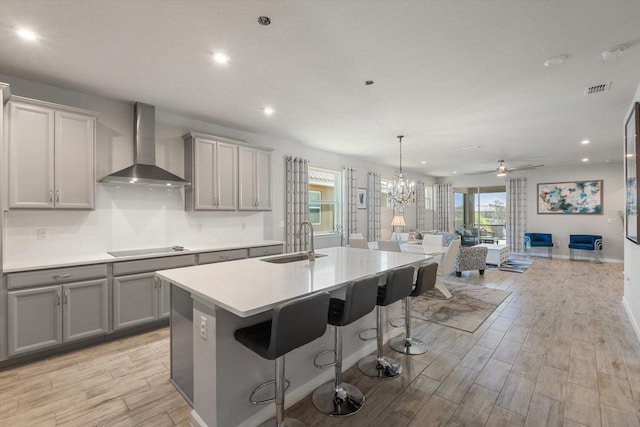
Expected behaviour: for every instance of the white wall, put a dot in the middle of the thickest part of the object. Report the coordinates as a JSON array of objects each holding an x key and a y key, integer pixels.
[
  {"x": 631, "y": 297},
  {"x": 609, "y": 225},
  {"x": 134, "y": 217}
]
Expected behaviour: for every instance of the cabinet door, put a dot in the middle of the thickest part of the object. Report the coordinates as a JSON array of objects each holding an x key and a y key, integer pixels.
[
  {"x": 164, "y": 295},
  {"x": 225, "y": 175},
  {"x": 31, "y": 148},
  {"x": 84, "y": 309},
  {"x": 135, "y": 300},
  {"x": 35, "y": 319},
  {"x": 203, "y": 176},
  {"x": 74, "y": 161},
  {"x": 263, "y": 180},
  {"x": 247, "y": 178}
]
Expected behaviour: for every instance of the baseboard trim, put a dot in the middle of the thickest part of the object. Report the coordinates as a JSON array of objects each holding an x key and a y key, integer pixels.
[{"x": 634, "y": 323}]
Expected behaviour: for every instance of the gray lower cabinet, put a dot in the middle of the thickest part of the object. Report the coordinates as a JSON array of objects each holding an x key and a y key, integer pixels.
[
  {"x": 47, "y": 316},
  {"x": 135, "y": 300}
]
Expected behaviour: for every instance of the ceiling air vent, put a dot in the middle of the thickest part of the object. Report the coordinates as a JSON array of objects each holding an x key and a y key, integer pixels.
[{"x": 602, "y": 87}]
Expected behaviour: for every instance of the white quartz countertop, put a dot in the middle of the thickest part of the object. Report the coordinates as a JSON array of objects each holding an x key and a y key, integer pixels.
[
  {"x": 54, "y": 261},
  {"x": 251, "y": 286}
]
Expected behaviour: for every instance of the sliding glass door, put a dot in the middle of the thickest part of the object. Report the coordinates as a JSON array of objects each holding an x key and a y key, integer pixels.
[{"x": 480, "y": 214}]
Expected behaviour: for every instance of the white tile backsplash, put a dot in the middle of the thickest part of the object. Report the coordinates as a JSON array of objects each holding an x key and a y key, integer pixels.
[{"x": 126, "y": 217}]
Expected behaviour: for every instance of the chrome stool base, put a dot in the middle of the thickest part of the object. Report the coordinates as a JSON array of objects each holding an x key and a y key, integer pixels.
[
  {"x": 382, "y": 369},
  {"x": 346, "y": 401},
  {"x": 409, "y": 346},
  {"x": 288, "y": 422}
]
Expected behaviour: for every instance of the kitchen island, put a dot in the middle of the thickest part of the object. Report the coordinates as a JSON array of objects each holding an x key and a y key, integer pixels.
[{"x": 209, "y": 302}]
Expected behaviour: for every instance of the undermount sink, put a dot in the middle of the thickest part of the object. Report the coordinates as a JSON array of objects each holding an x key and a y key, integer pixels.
[
  {"x": 147, "y": 251},
  {"x": 283, "y": 259}
]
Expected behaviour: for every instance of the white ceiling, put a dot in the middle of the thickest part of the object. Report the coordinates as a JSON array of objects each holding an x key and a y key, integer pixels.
[{"x": 448, "y": 74}]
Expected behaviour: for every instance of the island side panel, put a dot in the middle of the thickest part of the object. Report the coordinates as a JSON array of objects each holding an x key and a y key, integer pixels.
[
  {"x": 182, "y": 342},
  {"x": 205, "y": 366}
]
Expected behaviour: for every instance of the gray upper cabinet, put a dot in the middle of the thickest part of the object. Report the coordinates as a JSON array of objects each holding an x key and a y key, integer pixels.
[
  {"x": 254, "y": 179},
  {"x": 211, "y": 166},
  {"x": 51, "y": 155}
]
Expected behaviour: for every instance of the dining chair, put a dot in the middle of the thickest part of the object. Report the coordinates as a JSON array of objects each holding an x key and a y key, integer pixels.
[
  {"x": 432, "y": 240},
  {"x": 358, "y": 243},
  {"x": 389, "y": 245},
  {"x": 356, "y": 236},
  {"x": 446, "y": 266}
]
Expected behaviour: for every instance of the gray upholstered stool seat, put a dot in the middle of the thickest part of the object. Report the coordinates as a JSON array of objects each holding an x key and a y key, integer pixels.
[
  {"x": 398, "y": 286},
  {"x": 338, "y": 398},
  {"x": 293, "y": 324},
  {"x": 426, "y": 280}
]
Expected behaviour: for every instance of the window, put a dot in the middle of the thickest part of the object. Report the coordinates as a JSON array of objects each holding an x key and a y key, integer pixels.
[
  {"x": 428, "y": 198},
  {"x": 385, "y": 201},
  {"x": 324, "y": 200}
]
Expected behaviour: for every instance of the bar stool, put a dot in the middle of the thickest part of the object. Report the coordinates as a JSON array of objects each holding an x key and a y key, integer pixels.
[
  {"x": 293, "y": 324},
  {"x": 338, "y": 398},
  {"x": 427, "y": 275},
  {"x": 398, "y": 286}
]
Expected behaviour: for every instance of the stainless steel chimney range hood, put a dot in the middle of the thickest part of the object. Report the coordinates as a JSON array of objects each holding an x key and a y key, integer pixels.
[{"x": 144, "y": 170}]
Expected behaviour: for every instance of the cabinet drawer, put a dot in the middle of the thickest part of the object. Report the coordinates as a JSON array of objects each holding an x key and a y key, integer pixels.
[
  {"x": 55, "y": 275},
  {"x": 155, "y": 264},
  {"x": 222, "y": 256},
  {"x": 265, "y": 250}
]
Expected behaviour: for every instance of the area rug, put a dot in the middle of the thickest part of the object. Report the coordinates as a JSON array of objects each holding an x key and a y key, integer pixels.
[
  {"x": 466, "y": 310},
  {"x": 514, "y": 265}
]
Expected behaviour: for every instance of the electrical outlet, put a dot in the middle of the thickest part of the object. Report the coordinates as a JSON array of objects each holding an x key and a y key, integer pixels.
[
  {"x": 203, "y": 327},
  {"x": 42, "y": 234}
]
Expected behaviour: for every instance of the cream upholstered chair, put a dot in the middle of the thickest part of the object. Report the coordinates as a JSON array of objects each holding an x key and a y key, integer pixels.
[
  {"x": 432, "y": 240},
  {"x": 389, "y": 245},
  {"x": 358, "y": 243},
  {"x": 446, "y": 266}
]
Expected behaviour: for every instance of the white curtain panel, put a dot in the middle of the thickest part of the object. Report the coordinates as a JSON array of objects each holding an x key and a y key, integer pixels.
[
  {"x": 349, "y": 203},
  {"x": 374, "y": 188},
  {"x": 297, "y": 203},
  {"x": 420, "y": 210},
  {"x": 443, "y": 200},
  {"x": 516, "y": 213}
]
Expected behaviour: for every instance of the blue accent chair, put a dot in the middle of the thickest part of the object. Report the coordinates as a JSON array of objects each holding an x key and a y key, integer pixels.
[
  {"x": 540, "y": 240},
  {"x": 586, "y": 242}
]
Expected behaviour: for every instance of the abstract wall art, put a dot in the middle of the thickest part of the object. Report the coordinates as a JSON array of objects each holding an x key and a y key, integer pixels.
[{"x": 581, "y": 197}]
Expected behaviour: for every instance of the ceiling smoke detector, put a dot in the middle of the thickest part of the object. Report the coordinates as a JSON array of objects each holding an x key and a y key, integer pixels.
[
  {"x": 264, "y": 20},
  {"x": 612, "y": 52}
]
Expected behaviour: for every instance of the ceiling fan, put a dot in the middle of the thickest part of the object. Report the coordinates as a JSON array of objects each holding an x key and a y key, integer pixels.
[{"x": 502, "y": 170}]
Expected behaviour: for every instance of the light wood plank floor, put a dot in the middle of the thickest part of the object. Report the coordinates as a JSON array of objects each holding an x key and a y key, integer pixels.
[{"x": 559, "y": 350}]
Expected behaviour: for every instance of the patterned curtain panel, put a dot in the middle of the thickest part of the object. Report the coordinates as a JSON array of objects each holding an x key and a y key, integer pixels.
[
  {"x": 374, "y": 187},
  {"x": 297, "y": 203},
  {"x": 420, "y": 210},
  {"x": 349, "y": 200},
  {"x": 516, "y": 213},
  {"x": 443, "y": 201}
]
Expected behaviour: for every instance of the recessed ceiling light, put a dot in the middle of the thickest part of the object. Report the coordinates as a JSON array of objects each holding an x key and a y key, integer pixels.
[
  {"x": 585, "y": 159},
  {"x": 454, "y": 172},
  {"x": 585, "y": 142},
  {"x": 424, "y": 162},
  {"x": 27, "y": 34},
  {"x": 612, "y": 52},
  {"x": 268, "y": 111},
  {"x": 555, "y": 61},
  {"x": 220, "y": 58}
]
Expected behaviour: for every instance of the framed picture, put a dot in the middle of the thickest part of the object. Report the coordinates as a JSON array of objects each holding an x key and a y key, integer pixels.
[
  {"x": 631, "y": 147},
  {"x": 362, "y": 198},
  {"x": 580, "y": 197}
]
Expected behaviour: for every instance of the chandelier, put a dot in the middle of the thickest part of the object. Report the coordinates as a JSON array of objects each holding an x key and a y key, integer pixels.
[{"x": 401, "y": 191}]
